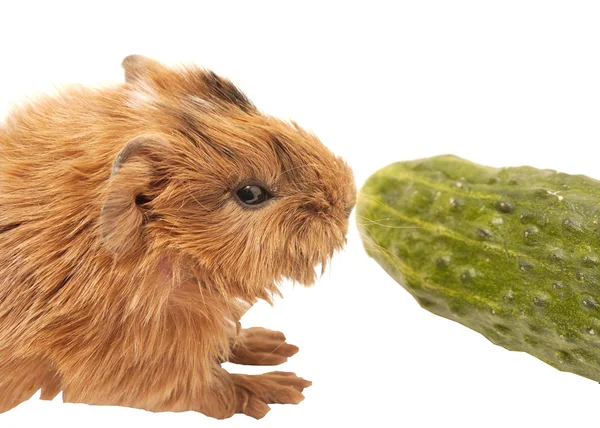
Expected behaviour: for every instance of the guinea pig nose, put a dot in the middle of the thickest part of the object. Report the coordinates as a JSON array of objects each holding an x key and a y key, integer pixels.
[{"x": 348, "y": 210}]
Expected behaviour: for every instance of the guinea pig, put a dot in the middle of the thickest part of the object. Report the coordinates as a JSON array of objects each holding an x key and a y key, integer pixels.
[{"x": 138, "y": 223}]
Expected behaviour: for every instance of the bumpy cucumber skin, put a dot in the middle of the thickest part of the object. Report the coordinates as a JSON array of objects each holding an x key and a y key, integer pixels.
[{"x": 512, "y": 253}]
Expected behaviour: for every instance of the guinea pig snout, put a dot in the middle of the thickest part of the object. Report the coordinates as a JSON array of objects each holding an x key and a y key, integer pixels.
[
  {"x": 348, "y": 210},
  {"x": 330, "y": 207},
  {"x": 350, "y": 201},
  {"x": 319, "y": 206}
]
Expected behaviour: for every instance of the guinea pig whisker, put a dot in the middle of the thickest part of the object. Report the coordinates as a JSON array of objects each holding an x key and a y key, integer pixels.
[
  {"x": 191, "y": 195},
  {"x": 392, "y": 258},
  {"x": 387, "y": 226},
  {"x": 297, "y": 167}
]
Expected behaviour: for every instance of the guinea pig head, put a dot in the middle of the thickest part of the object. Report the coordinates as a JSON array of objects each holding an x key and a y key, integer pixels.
[{"x": 247, "y": 198}]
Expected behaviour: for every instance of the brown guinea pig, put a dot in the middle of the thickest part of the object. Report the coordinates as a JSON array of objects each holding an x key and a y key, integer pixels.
[{"x": 138, "y": 223}]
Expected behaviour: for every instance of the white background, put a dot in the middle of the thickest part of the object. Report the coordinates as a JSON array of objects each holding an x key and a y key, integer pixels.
[{"x": 501, "y": 83}]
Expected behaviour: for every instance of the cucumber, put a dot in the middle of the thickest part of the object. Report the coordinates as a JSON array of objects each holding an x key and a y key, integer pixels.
[{"x": 512, "y": 253}]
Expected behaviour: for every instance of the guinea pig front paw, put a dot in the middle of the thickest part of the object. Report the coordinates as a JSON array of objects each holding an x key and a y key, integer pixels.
[
  {"x": 261, "y": 347},
  {"x": 256, "y": 392}
]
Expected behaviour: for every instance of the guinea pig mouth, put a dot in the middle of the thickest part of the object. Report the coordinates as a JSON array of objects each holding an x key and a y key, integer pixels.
[
  {"x": 303, "y": 263},
  {"x": 306, "y": 270}
]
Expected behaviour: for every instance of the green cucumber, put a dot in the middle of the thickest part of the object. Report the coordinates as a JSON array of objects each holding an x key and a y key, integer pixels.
[{"x": 512, "y": 253}]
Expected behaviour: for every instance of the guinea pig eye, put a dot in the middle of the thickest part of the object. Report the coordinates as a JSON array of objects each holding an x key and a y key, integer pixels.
[{"x": 252, "y": 194}]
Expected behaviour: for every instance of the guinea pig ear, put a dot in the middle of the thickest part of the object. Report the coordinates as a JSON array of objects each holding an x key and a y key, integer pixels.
[
  {"x": 139, "y": 67},
  {"x": 122, "y": 216}
]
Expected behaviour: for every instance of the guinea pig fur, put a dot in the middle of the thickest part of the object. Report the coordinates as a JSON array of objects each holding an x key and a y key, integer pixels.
[{"x": 138, "y": 223}]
